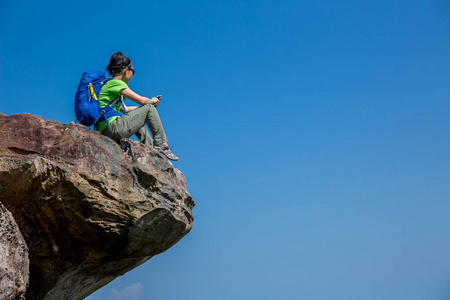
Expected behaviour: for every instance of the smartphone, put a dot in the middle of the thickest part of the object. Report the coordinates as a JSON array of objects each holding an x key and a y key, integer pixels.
[{"x": 159, "y": 97}]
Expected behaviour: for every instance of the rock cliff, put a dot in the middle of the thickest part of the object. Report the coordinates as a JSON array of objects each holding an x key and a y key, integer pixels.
[{"x": 89, "y": 209}]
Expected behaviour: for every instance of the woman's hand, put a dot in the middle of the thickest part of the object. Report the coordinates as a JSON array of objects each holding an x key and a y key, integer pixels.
[{"x": 154, "y": 101}]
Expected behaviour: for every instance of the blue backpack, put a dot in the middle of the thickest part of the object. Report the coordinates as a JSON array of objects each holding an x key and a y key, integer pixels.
[{"x": 87, "y": 108}]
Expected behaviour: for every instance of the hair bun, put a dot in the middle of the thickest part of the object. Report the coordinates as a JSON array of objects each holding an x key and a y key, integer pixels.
[{"x": 117, "y": 63}]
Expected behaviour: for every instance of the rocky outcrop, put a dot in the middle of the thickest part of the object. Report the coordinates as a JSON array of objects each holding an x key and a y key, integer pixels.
[
  {"x": 88, "y": 208},
  {"x": 14, "y": 264}
]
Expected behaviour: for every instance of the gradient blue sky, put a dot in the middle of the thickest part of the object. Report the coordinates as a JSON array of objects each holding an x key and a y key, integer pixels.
[{"x": 313, "y": 136}]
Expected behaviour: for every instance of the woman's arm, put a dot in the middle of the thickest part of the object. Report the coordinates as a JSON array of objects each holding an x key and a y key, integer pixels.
[
  {"x": 127, "y": 108},
  {"x": 138, "y": 98}
]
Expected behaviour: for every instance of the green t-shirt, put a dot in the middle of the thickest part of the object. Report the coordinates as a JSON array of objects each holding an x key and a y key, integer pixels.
[{"x": 109, "y": 91}]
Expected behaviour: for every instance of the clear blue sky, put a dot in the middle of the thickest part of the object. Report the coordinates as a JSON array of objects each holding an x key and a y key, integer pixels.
[{"x": 314, "y": 136}]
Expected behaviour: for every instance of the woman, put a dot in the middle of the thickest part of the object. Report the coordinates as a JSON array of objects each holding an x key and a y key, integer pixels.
[{"x": 135, "y": 118}]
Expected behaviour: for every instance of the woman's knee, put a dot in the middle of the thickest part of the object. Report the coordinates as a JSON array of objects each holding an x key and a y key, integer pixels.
[
  {"x": 149, "y": 108},
  {"x": 146, "y": 107}
]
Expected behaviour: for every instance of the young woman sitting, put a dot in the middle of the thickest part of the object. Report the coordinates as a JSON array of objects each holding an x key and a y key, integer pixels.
[{"x": 135, "y": 118}]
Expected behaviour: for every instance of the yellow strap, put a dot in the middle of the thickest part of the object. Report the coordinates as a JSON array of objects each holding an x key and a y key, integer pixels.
[
  {"x": 115, "y": 101},
  {"x": 92, "y": 92}
]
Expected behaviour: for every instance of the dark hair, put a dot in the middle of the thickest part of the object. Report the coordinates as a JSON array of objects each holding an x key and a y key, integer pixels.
[{"x": 117, "y": 63}]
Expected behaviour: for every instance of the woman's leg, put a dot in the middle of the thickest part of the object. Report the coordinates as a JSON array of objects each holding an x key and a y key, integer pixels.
[
  {"x": 155, "y": 125},
  {"x": 144, "y": 136},
  {"x": 134, "y": 123}
]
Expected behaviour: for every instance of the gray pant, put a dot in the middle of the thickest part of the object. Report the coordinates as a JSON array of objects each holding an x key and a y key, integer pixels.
[{"x": 134, "y": 123}]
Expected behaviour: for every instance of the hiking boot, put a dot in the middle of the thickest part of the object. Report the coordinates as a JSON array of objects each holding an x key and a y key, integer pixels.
[{"x": 167, "y": 152}]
